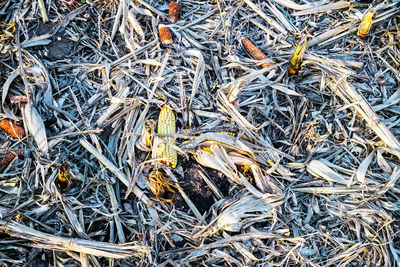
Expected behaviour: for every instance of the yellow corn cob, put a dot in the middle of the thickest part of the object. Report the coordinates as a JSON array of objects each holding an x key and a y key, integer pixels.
[
  {"x": 295, "y": 61},
  {"x": 167, "y": 125},
  {"x": 366, "y": 23}
]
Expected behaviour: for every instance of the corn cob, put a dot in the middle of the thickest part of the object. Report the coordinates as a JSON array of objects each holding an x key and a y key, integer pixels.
[
  {"x": 366, "y": 23},
  {"x": 64, "y": 177},
  {"x": 4, "y": 162},
  {"x": 12, "y": 128},
  {"x": 167, "y": 125},
  {"x": 255, "y": 52},
  {"x": 295, "y": 60},
  {"x": 173, "y": 14},
  {"x": 165, "y": 35}
]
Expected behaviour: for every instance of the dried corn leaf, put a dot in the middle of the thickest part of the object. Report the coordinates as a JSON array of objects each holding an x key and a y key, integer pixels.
[
  {"x": 35, "y": 125},
  {"x": 324, "y": 8},
  {"x": 319, "y": 169},
  {"x": 362, "y": 169},
  {"x": 52, "y": 242}
]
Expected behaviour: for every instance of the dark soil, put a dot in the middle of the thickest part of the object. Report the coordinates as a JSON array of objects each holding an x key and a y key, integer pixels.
[
  {"x": 60, "y": 48},
  {"x": 197, "y": 189}
]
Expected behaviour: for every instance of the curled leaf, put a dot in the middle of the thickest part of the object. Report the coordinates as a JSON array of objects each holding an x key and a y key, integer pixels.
[{"x": 36, "y": 127}]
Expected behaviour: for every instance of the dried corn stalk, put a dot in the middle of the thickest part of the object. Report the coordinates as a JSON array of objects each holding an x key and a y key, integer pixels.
[
  {"x": 212, "y": 141},
  {"x": 219, "y": 160},
  {"x": 68, "y": 5},
  {"x": 350, "y": 96},
  {"x": 12, "y": 128},
  {"x": 18, "y": 99},
  {"x": 36, "y": 127},
  {"x": 52, "y": 242},
  {"x": 238, "y": 213}
]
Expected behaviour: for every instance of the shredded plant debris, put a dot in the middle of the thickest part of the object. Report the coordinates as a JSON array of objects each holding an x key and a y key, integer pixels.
[{"x": 199, "y": 133}]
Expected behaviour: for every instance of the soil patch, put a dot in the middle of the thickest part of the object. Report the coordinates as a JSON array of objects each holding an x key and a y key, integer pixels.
[{"x": 197, "y": 189}]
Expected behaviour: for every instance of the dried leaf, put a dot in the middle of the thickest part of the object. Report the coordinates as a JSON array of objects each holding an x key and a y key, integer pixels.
[{"x": 35, "y": 125}]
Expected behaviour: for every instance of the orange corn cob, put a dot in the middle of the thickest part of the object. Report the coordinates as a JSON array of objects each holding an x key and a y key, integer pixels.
[
  {"x": 366, "y": 24},
  {"x": 4, "y": 162},
  {"x": 173, "y": 15},
  {"x": 255, "y": 52},
  {"x": 165, "y": 35},
  {"x": 12, "y": 128}
]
